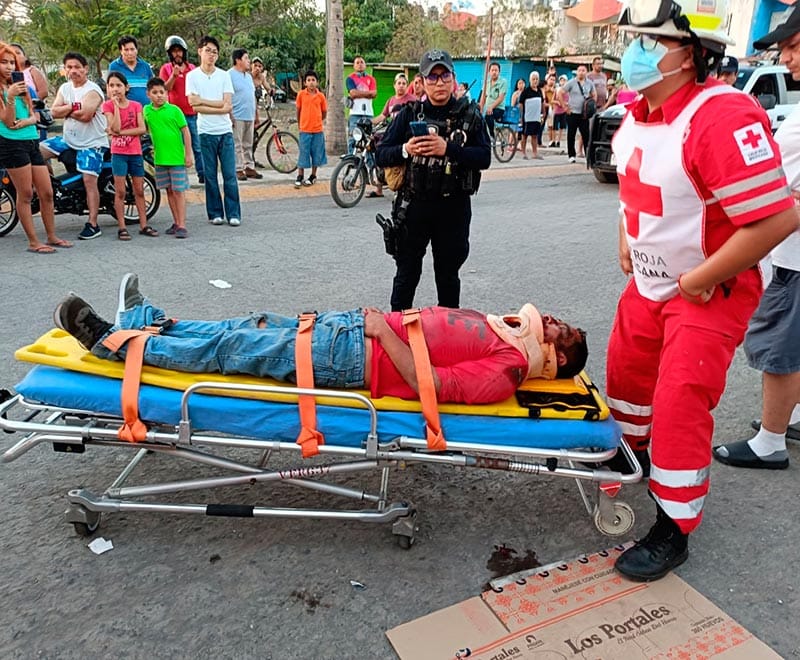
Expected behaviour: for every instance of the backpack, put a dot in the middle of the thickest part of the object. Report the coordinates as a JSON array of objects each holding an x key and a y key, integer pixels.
[{"x": 589, "y": 104}]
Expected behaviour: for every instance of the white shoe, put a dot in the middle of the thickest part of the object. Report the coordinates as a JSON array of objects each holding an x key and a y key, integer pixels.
[
  {"x": 234, "y": 222},
  {"x": 216, "y": 221},
  {"x": 572, "y": 159}
]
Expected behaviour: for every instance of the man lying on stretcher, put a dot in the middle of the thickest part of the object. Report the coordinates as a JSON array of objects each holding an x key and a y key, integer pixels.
[{"x": 477, "y": 358}]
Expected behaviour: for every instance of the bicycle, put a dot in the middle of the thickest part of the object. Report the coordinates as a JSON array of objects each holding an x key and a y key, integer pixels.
[
  {"x": 505, "y": 142},
  {"x": 283, "y": 148}
]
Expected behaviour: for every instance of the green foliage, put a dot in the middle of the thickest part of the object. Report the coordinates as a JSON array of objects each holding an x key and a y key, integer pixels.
[
  {"x": 416, "y": 31},
  {"x": 290, "y": 32},
  {"x": 368, "y": 27}
]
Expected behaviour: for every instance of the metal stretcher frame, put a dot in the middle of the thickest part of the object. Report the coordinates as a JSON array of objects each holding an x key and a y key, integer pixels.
[{"x": 72, "y": 430}]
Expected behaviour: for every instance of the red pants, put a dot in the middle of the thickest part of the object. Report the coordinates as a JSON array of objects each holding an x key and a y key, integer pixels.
[{"x": 667, "y": 363}]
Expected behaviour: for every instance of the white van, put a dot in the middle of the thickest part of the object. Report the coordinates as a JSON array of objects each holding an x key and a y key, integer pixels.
[{"x": 768, "y": 82}]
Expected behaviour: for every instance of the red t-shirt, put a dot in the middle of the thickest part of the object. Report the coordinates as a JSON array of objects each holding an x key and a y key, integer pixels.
[
  {"x": 736, "y": 195},
  {"x": 177, "y": 95},
  {"x": 473, "y": 364}
]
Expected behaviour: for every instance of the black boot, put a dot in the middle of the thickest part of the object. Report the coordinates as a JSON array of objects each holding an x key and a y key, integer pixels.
[{"x": 665, "y": 547}]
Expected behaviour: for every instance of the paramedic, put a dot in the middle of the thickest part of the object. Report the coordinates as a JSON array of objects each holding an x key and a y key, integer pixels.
[
  {"x": 442, "y": 170},
  {"x": 703, "y": 198},
  {"x": 477, "y": 358}
]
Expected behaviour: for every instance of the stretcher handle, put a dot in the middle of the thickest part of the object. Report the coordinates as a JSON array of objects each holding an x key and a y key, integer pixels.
[{"x": 425, "y": 383}]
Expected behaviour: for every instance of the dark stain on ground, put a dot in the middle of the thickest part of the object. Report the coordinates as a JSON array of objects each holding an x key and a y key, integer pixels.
[
  {"x": 311, "y": 601},
  {"x": 505, "y": 561}
]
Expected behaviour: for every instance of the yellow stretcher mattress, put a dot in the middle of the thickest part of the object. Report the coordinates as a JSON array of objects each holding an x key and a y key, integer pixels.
[{"x": 573, "y": 398}]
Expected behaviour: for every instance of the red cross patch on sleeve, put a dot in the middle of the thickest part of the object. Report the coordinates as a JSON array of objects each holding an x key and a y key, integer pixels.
[{"x": 753, "y": 144}]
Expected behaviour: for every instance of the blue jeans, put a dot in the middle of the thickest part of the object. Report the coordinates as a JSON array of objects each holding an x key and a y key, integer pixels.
[
  {"x": 239, "y": 346},
  {"x": 351, "y": 124},
  {"x": 219, "y": 148},
  {"x": 191, "y": 122}
]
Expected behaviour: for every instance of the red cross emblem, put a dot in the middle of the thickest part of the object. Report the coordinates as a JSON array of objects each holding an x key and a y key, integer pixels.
[
  {"x": 751, "y": 139},
  {"x": 637, "y": 196}
]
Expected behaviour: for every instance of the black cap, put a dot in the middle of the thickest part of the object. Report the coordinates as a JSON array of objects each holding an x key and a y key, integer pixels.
[
  {"x": 728, "y": 64},
  {"x": 433, "y": 58},
  {"x": 789, "y": 27}
]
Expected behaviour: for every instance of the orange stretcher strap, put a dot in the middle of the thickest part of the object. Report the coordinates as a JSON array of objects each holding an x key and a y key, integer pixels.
[
  {"x": 309, "y": 438},
  {"x": 132, "y": 429},
  {"x": 427, "y": 389}
]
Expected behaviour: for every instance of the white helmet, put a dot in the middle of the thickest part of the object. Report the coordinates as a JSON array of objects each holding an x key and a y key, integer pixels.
[
  {"x": 175, "y": 40},
  {"x": 705, "y": 19}
]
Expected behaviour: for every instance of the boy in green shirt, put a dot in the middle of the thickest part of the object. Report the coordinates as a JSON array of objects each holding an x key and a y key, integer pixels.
[{"x": 172, "y": 146}]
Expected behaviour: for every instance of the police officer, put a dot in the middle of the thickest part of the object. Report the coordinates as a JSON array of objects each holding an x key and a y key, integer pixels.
[{"x": 442, "y": 169}]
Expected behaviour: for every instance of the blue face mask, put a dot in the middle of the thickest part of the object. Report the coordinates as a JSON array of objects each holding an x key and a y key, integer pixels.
[{"x": 640, "y": 66}]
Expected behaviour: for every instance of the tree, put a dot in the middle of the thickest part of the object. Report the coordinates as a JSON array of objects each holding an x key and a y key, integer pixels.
[
  {"x": 416, "y": 31},
  {"x": 336, "y": 131},
  {"x": 368, "y": 27}
]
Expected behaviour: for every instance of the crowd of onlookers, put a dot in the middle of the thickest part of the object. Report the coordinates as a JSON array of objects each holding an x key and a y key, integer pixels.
[{"x": 205, "y": 116}]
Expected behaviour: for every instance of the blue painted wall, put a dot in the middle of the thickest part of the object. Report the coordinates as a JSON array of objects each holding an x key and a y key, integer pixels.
[{"x": 761, "y": 20}]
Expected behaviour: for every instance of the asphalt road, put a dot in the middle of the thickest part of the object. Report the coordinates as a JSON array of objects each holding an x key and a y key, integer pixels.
[{"x": 200, "y": 587}]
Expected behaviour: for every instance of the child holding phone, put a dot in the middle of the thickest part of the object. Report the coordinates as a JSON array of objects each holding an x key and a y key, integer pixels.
[{"x": 125, "y": 125}]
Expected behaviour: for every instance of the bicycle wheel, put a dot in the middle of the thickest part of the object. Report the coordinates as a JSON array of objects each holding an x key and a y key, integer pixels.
[
  {"x": 8, "y": 211},
  {"x": 152, "y": 200},
  {"x": 348, "y": 183},
  {"x": 283, "y": 150},
  {"x": 505, "y": 143}
]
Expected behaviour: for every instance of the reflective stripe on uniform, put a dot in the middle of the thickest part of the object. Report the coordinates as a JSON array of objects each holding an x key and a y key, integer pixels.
[
  {"x": 680, "y": 510},
  {"x": 679, "y": 478},
  {"x": 756, "y": 203},
  {"x": 629, "y": 408},
  {"x": 638, "y": 430},
  {"x": 747, "y": 185}
]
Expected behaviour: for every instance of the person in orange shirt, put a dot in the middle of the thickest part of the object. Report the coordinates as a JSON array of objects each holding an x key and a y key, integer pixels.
[{"x": 312, "y": 108}]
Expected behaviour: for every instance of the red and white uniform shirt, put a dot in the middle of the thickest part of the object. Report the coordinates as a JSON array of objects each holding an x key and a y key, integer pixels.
[{"x": 705, "y": 193}]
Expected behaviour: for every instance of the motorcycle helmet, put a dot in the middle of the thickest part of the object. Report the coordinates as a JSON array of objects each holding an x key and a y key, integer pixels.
[{"x": 174, "y": 40}]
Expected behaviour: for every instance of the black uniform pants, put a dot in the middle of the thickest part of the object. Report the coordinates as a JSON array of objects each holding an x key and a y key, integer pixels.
[
  {"x": 576, "y": 122},
  {"x": 444, "y": 223}
]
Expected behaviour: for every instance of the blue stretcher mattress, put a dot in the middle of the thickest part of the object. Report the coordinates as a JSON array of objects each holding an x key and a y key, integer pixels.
[{"x": 342, "y": 426}]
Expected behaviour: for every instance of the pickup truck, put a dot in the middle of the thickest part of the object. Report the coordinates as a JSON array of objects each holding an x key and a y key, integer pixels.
[{"x": 772, "y": 85}]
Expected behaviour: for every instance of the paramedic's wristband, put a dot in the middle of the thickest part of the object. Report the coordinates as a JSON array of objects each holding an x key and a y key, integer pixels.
[{"x": 694, "y": 297}]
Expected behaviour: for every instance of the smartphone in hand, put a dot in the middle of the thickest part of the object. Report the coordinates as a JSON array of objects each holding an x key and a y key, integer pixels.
[
  {"x": 18, "y": 76},
  {"x": 418, "y": 128}
]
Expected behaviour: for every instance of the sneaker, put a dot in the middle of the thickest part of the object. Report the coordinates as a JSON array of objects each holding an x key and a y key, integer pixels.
[
  {"x": 181, "y": 232},
  {"x": 75, "y": 316},
  {"x": 171, "y": 231},
  {"x": 234, "y": 222},
  {"x": 298, "y": 182},
  {"x": 665, "y": 547},
  {"x": 252, "y": 174},
  {"x": 89, "y": 232},
  {"x": 217, "y": 221},
  {"x": 310, "y": 181},
  {"x": 572, "y": 159},
  {"x": 129, "y": 296},
  {"x": 241, "y": 176}
]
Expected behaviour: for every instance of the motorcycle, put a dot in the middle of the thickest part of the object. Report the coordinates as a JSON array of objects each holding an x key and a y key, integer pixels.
[
  {"x": 69, "y": 194},
  {"x": 353, "y": 172}
]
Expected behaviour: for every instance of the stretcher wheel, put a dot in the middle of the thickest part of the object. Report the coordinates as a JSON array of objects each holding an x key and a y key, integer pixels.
[
  {"x": 405, "y": 542},
  {"x": 621, "y": 522},
  {"x": 89, "y": 527}
]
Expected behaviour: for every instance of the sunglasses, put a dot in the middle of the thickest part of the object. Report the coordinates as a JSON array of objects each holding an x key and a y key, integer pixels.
[{"x": 434, "y": 78}]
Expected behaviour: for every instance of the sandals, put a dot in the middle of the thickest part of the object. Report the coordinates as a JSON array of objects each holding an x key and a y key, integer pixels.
[
  {"x": 123, "y": 234},
  {"x": 372, "y": 195},
  {"x": 147, "y": 230}
]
